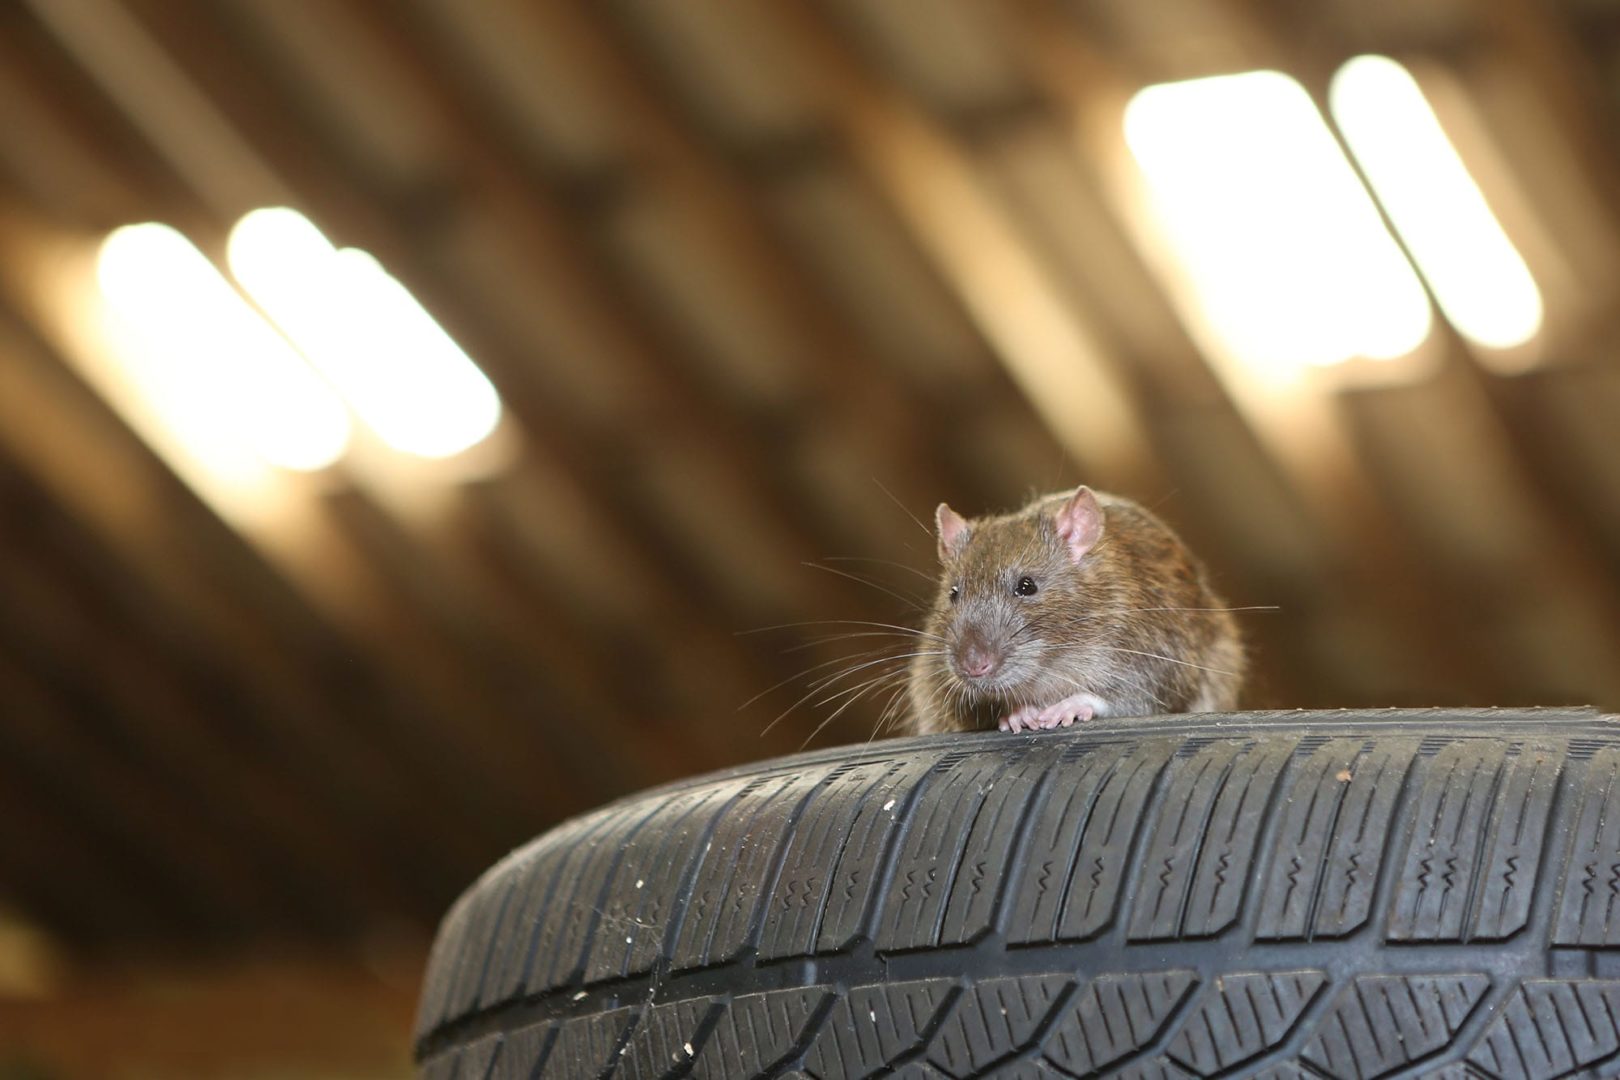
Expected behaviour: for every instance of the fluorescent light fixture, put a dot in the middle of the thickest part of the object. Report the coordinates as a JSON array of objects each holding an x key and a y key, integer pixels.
[
  {"x": 1282, "y": 256},
  {"x": 1479, "y": 279},
  {"x": 364, "y": 331},
  {"x": 206, "y": 363}
]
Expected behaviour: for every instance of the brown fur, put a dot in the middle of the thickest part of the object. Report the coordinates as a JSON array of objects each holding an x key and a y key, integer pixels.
[{"x": 1134, "y": 622}]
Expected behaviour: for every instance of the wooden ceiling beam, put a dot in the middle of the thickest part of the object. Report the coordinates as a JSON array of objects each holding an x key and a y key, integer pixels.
[
  {"x": 245, "y": 183},
  {"x": 59, "y": 875},
  {"x": 933, "y": 182},
  {"x": 66, "y": 436},
  {"x": 190, "y": 867},
  {"x": 1542, "y": 554},
  {"x": 1547, "y": 42},
  {"x": 481, "y": 646},
  {"x": 194, "y": 741},
  {"x": 670, "y": 418},
  {"x": 155, "y": 545},
  {"x": 732, "y": 223},
  {"x": 82, "y": 135},
  {"x": 592, "y": 463},
  {"x": 677, "y": 164}
]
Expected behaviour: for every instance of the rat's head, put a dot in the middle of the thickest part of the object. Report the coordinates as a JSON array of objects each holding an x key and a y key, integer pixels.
[{"x": 1012, "y": 592}]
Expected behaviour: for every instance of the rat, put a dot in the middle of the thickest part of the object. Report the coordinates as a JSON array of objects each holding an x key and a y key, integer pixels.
[{"x": 1080, "y": 605}]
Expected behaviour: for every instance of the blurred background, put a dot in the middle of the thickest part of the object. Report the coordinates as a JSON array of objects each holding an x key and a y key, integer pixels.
[{"x": 422, "y": 420}]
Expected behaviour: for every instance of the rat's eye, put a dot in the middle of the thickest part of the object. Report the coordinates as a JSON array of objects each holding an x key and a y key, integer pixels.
[
  {"x": 955, "y": 592},
  {"x": 1026, "y": 586}
]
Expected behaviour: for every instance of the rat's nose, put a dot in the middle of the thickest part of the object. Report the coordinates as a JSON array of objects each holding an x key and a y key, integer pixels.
[{"x": 976, "y": 659}]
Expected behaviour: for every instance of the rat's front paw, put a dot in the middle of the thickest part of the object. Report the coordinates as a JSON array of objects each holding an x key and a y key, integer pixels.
[
  {"x": 1075, "y": 707},
  {"x": 1063, "y": 714},
  {"x": 1025, "y": 719}
]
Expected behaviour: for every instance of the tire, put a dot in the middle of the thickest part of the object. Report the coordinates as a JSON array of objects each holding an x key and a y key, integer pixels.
[{"x": 1348, "y": 894}]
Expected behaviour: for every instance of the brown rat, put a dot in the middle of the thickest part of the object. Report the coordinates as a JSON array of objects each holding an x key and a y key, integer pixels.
[{"x": 1081, "y": 604}]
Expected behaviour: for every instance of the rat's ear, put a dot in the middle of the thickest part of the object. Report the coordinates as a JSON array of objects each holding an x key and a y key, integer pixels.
[
  {"x": 953, "y": 532},
  {"x": 1080, "y": 522}
]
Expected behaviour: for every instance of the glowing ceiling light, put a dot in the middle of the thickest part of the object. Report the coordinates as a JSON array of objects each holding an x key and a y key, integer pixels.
[
  {"x": 366, "y": 333},
  {"x": 205, "y": 362},
  {"x": 1479, "y": 279},
  {"x": 1286, "y": 260}
]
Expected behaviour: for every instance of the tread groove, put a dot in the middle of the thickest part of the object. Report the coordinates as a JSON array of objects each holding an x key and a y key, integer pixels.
[
  {"x": 889, "y": 861},
  {"x": 1114, "y": 925},
  {"x": 1320, "y": 883},
  {"x": 845, "y": 836},
  {"x": 595, "y": 917},
  {"x": 1069, "y": 872},
  {"x": 1035, "y": 805},
  {"x": 1196, "y": 859},
  {"x": 1482, "y": 849}
]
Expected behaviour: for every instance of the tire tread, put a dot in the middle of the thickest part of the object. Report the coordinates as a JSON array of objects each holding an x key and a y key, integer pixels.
[{"x": 1347, "y": 895}]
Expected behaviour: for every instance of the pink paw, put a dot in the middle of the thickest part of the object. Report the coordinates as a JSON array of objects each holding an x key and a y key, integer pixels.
[
  {"x": 1063, "y": 714},
  {"x": 1022, "y": 720}
]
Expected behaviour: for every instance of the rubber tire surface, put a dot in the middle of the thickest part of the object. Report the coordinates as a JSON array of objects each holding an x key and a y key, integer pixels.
[{"x": 1430, "y": 893}]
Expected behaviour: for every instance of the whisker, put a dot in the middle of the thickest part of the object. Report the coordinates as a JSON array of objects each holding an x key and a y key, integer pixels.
[
  {"x": 864, "y": 684},
  {"x": 829, "y": 639},
  {"x": 838, "y": 622},
  {"x": 910, "y": 601},
  {"x": 801, "y": 674},
  {"x": 828, "y": 680},
  {"x": 1133, "y": 611},
  {"x": 1168, "y": 659},
  {"x": 1021, "y": 631},
  {"x": 808, "y": 694},
  {"x": 930, "y": 578},
  {"x": 903, "y": 508},
  {"x": 862, "y": 662},
  {"x": 892, "y": 711},
  {"x": 878, "y": 682}
]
